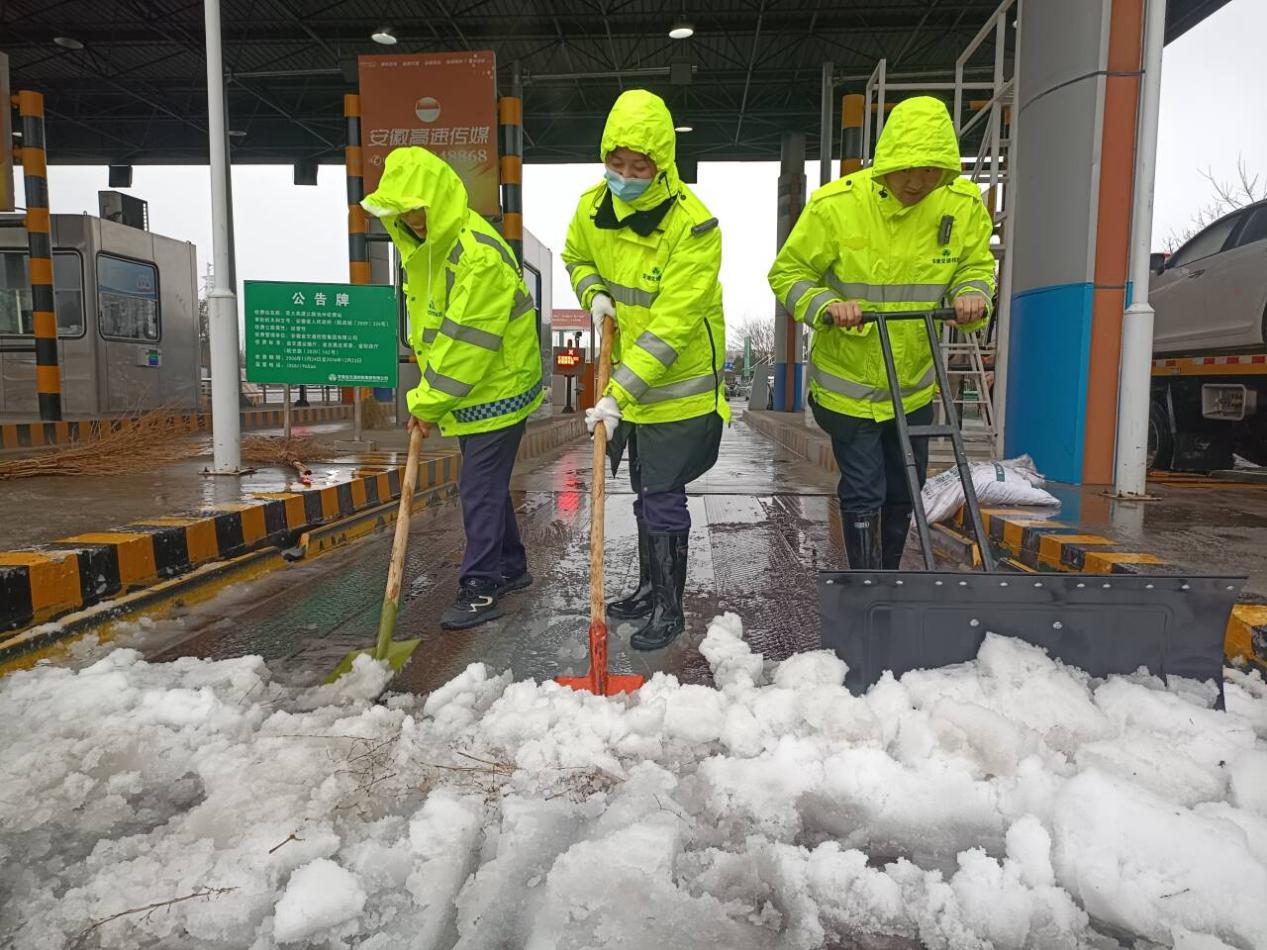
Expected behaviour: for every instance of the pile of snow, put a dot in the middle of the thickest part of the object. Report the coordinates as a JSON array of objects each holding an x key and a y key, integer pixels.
[
  {"x": 1007, "y": 483},
  {"x": 1010, "y": 802}
]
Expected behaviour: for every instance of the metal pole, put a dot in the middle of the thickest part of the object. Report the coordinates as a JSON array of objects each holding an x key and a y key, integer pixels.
[
  {"x": 1011, "y": 193},
  {"x": 1135, "y": 373},
  {"x": 48, "y": 374},
  {"x": 222, "y": 307},
  {"x": 824, "y": 126},
  {"x": 787, "y": 335},
  {"x": 286, "y": 412}
]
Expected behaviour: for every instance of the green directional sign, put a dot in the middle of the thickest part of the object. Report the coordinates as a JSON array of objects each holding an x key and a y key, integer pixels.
[{"x": 320, "y": 334}]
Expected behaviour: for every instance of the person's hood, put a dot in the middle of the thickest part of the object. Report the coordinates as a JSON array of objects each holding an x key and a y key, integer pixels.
[
  {"x": 918, "y": 134},
  {"x": 416, "y": 178},
  {"x": 640, "y": 121}
]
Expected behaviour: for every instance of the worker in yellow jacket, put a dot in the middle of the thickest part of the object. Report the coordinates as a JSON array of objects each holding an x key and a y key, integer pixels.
[
  {"x": 643, "y": 249},
  {"x": 908, "y": 233},
  {"x": 472, "y": 326}
]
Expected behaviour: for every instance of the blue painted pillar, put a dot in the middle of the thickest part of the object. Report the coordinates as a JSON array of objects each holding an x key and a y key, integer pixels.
[
  {"x": 1072, "y": 172},
  {"x": 789, "y": 346}
]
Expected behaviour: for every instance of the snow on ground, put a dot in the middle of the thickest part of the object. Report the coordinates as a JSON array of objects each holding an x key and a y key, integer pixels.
[{"x": 1010, "y": 802}]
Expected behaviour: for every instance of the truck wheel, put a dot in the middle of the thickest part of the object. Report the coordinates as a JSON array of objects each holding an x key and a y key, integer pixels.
[{"x": 1161, "y": 440}]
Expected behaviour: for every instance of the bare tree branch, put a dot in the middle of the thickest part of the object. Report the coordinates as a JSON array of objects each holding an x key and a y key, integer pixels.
[
  {"x": 1245, "y": 189},
  {"x": 759, "y": 331}
]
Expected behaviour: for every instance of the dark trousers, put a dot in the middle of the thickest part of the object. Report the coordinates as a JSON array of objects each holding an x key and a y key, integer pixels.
[
  {"x": 493, "y": 547},
  {"x": 872, "y": 469},
  {"x": 660, "y": 512}
]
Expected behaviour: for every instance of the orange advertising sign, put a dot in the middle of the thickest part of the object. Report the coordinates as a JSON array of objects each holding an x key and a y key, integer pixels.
[{"x": 445, "y": 102}]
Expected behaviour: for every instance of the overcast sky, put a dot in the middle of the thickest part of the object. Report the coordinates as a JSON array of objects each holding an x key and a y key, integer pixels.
[{"x": 1213, "y": 92}]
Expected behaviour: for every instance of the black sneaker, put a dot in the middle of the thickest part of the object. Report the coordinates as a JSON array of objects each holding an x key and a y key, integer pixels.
[
  {"x": 511, "y": 584},
  {"x": 476, "y": 604}
]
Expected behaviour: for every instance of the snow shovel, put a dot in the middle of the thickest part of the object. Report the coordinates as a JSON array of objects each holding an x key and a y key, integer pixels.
[
  {"x": 598, "y": 680},
  {"x": 395, "y": 652},
  {"x": 1103, "y": 624}
]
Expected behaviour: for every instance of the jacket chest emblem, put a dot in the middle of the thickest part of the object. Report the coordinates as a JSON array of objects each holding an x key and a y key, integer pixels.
[{"x": 945, "y": 257}]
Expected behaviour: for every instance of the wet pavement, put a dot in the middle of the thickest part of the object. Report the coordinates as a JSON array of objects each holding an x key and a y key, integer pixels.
[
  {"x": 764, "y": 523},
  {"x": 42, "y": 509},
  {"x": 1206, "y": 525}
]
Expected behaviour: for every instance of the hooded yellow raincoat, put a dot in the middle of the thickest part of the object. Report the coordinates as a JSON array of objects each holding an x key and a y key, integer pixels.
[
  {"x": 856, "y": 242},
  {"x": 670, "y": 352},
  {"x": 471, "y": 318}
]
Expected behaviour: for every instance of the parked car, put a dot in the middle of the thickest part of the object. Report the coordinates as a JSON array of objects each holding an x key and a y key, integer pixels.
[{"x": 1209, "y": 392}]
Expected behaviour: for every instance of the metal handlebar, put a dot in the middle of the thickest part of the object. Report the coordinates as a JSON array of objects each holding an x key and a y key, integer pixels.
[{"x": 881, "y": 316}]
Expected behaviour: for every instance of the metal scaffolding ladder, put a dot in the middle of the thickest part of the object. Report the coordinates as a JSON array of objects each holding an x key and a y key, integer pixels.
[{"x": 972, "y": 359}]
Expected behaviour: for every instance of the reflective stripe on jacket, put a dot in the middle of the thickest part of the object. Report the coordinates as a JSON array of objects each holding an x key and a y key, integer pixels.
[{"x": 856, "y": 242}]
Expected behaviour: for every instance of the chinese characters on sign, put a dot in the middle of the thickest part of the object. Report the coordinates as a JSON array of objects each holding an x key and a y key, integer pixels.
[
  {"x": 567, "y": 360},
  {"x": 445, "y": 102},
  {"x": 321, "y": 334}
]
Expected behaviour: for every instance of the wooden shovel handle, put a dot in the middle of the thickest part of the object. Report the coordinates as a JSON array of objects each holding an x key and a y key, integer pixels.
[
  {"x": 401, "y": 539},
  {"x": 598, "y": 608}
]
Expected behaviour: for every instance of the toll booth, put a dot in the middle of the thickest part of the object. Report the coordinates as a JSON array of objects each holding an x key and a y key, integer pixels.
[{"x": 126, "y": 301}]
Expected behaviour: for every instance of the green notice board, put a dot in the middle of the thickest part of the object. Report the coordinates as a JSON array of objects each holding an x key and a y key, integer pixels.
[{"x": 320, "y": 334}]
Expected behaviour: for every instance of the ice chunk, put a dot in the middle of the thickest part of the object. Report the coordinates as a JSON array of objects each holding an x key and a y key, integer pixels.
[
  {"x": 1143, "y": 864},
  {"x": 318, "y": 896}
]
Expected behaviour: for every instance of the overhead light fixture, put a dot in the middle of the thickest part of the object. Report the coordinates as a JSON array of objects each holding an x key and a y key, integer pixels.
[
  {"x": 384, "y": 36},
  {"x": 236, "y": 134},
  {"x": 683, "y": 128},
  {"x": 68, "y": 42},
  {"x": 681, "y": 30}
]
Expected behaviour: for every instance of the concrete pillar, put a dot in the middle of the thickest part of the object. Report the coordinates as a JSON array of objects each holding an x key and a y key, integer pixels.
[
  {"x": 788, "y": 340},
  {"x": 1078, "y": 95}
]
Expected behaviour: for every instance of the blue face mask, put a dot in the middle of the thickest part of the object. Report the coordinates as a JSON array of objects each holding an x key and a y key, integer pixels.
[{"x": 626, "y": 189}]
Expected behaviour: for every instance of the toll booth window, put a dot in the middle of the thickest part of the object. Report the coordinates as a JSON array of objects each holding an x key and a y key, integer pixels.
[
  {"x": 16, "y": 313},
  {"x": 127, "y": 299},
  {"x": 532, "y": 277}
]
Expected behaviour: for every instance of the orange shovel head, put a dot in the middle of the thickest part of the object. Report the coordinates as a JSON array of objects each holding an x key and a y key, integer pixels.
[{"x": 598, "y": 681}]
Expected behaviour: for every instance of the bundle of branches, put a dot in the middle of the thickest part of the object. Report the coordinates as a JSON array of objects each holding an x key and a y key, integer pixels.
[
  {"x": 115, "y": 447},
  {"x": 373, "y": 414},
  {"x": 291, "y": 453}
]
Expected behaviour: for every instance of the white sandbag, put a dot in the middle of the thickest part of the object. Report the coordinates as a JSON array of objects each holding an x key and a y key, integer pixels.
[{"x": 1009, "y": 482}]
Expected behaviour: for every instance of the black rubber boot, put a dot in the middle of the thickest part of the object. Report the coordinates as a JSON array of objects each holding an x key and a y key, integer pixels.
[
  {"x": 862, "y": 539},
  {"x": 895, "y": 526},
  {"x": 476, "y": 604},
  {"x": 637, "y": 605},
  {"x": 668, "y": 582}
]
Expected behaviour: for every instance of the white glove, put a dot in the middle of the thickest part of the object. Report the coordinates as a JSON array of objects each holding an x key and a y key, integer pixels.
[
  {"x": 605, "y": 411},
  {"x": 601, "y": 306}
]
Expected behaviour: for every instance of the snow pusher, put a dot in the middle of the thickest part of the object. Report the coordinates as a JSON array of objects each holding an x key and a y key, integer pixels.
[
  {"x": 598, "y": 680},
  {"x": 1171, "y": 625}
]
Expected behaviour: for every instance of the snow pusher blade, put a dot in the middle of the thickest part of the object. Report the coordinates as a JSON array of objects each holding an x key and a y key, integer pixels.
[
  {"x": 905, "y": 620},
  {"x": 1102, "y": 624}
]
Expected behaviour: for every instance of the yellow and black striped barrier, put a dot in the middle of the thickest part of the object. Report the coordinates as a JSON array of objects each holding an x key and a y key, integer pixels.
[
  {"x": 358, "y": 222},
  {"x": 42, "y": 584},
  {"x": 510, "y": 119},
  {"x": 852, "y": 109},
  {"x": 48, "y": 374}
]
